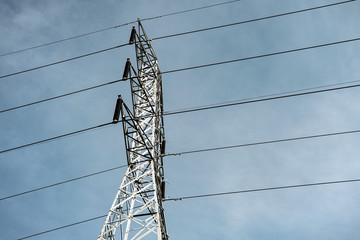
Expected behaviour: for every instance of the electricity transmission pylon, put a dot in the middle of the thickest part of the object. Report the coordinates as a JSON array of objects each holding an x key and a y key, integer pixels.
[{"x": 137, "y": 211}]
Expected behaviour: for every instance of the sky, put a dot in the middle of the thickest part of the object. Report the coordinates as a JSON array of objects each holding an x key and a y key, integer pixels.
[{"x": 321, "y": 212}]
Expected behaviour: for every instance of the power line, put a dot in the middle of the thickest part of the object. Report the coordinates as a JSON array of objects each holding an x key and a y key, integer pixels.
[
  {"x": 263, "y": 189},
  {"x": 264, "y": 142},
  {"x": 116, "y": 26},
  {"x": 188, "y": 111},
  {"x": 63, "y": 40},
  {"x": 190, "y": 68},
  {"x": 63, "y": 182},
  {"x": 194, "y": 9},
  {"x": 211, "y": 195},
  {"x": 62, "y": 95},
  {"x": 57, "y": 137},
  {"x": 259, "y": 100},
  {"x": 197, "y": 151},
  {"x": 66, "y": 226},
  {"x": 268, "y": 95},
  {"x": 178, "y": 34},
  {"x": 62, "y": 227},
  {"x": 62, "y": 61},
  {"x": 263, "y": 55},
  {"x": 253, "y": 20}
]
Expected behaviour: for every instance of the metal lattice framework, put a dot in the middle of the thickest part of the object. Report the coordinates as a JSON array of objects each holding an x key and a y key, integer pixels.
[{"x": 137, "y": 211}]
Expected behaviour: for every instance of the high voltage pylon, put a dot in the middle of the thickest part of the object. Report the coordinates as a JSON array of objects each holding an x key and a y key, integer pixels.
[{"x": 137, "y": 211}]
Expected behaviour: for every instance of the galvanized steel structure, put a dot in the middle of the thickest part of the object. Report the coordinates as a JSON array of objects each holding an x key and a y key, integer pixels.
[{"x": 137, "y": 211}]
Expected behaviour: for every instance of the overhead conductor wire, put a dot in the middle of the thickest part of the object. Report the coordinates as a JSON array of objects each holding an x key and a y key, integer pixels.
[
  {"x": 197, "y": 151},
  {"x": 256, "y": 99},
  {"x": 62, "y": 95},
  {"x": 262, "y": 189},
  {"x": 116, "y": 26},
  {"x": 62, "y": 227},
  {"x": 187, "y": 69},
  {"x": 253, "y": 20},
  {"x": 188, "y": 111},
  {"x": 212, "y": 195},
  {"x": 173, "y": 35},
  {"x": 56, "y": 137},
  {"x": 63, "y": 182},
  {"x": 264, "y": 142},
  {"x": 65, "y": 60}
]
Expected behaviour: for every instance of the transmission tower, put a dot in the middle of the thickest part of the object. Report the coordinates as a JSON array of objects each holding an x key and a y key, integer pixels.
[{"x": 137, "y": 211}]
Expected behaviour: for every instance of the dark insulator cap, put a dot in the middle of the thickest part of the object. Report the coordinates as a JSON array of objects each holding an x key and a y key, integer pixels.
[
  {"x": 132, "y": 36},
  {"x": 126, "y": 69},
  {"x": 162, "y": 190},
  {"x": 162, "y": 147},
  {"x": 117, "y": 109}
]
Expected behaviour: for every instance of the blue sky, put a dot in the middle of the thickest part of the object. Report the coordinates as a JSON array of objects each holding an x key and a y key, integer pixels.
[{"x": 326, "y": 212}]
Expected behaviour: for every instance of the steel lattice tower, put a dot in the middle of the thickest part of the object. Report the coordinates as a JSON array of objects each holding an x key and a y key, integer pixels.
[{"x": 137, "y": 211}]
